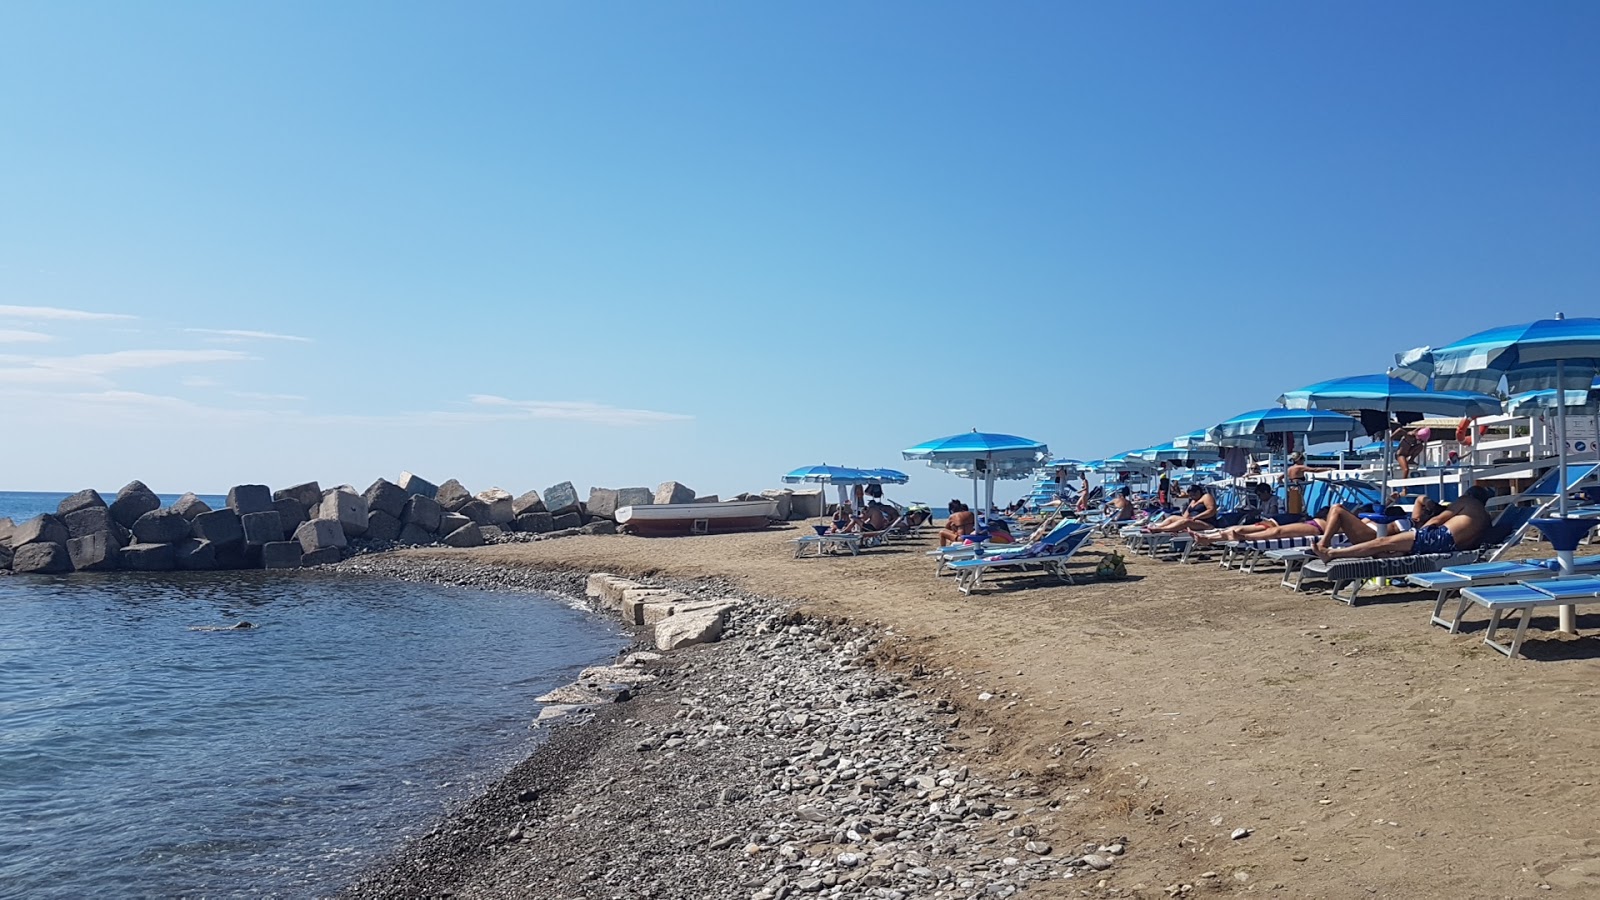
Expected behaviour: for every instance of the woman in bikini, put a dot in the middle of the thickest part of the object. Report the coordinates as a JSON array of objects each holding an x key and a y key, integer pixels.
[{"x": 1198, "y": 515}]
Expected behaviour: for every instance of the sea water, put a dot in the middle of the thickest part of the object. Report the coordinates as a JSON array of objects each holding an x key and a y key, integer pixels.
[{"x": 142, "y": 758}]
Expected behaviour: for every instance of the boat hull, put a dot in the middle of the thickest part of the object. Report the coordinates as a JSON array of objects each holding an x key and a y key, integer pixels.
[{"x": 677, "y": 519}]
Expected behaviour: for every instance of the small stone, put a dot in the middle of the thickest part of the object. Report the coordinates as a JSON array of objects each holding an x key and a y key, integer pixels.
[
  {"x": 1239, "y": 834},
  {"x": 723, "y": 843},
  {"x": 1038, "y": 847},
  {"x": 1097, "y": 862}
]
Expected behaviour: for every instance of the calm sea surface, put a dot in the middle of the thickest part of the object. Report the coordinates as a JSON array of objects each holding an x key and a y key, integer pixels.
[{"x": 140, "y": 758}]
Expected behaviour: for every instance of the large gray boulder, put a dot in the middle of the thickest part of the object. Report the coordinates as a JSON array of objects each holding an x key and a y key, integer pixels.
[
  {"x": 89, "y": 520},
  {"x": 806, "y": 503},
  {"x": 673, "y": 492},
  {"x": 451, "y": 521},
  {"x": 635, "y": 496},
  {"x": 290, "y": 515},
  {"x": 281, "y": 555},
  {"x": 45, "y": 529},
  {"x": 42, "y": 558},
  {"x": 418, "y": 486},
  {"x": 190, "y": 506},
  {"x": 423, "y": 512},
  {"x": 308, "y": 495},
  {"x": 262, "y": 528},
  {"x": 195, "y": 555},
  {"x": 148, "y": 557},
  {"x": 452, "y": 495},
  {"x": 6, "y": 527},
  {"x": 133, "y": 501},
  {"x": 712, "y": 498},
  {"x": 476, "y": 510},
  {"x": 347, "y": 508},
  {"x": 784, "y": 501},
  {"x": 249, "y": 498},
  {"x": 320, "y": 534},
  {"x": 237, "y": 556},
  {"x": 220, "y": 527},
  {"x": 566, "y": 521},
  {"x": 84, "y": 499},
  {"x": 491, "y": 533},
  {"x": 602, "y": 503},
  {"x": 530, "y": 502},
  {"x": 327, "y": 556},
  {"x": 536, "y": 522},
  {"x": 502, "y": 508},
  {"x": 161, "y": 526},
  {"x": 560, "y": 499},
  {"x": 414, "y": 534},
  {"x": 386, "y": 496},
  {"x": 5, "y": 555},
  {"x": 382, "y": 527},
  {"x": 94, "y": 552},
  {"x": 468, "y": 535}
]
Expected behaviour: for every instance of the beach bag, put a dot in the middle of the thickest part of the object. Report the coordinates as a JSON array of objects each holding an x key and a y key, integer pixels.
[{"x": 1112, "y": 567}]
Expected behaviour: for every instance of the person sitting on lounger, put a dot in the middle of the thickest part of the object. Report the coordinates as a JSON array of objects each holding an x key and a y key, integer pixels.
[
  {"x": 878, "y": 516},
  {"x": 1198, "y": 515},
  {"x": 845, "y": 521},
  {"x": 956, "y": 527},
  {"x": 1459, "y": 527},
  {"x": 1264, "y": 530},
  {"x": 1123, "y": 508}
]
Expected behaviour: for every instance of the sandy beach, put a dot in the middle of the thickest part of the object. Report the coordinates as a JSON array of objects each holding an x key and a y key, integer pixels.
[{"x": 1363, "y": 752}]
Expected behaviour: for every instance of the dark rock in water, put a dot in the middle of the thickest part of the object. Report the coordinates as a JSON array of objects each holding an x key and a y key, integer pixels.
[
  {"x": 148, "y": 557},
  {"x": 477, "y": 511},
  {"x": 45, "y": 529},
  {"x": 90, "y": 520},
  {"x": 5, "y": 555},
  {"x": 423, "y": 512},
  {"x": 421, "y": 487},
  {"x": 527, "y": 503},
  {"x": 452, "y": 495},
  {"x": 468, "y": 535},
  {"x": 414, "y": 534},
  {"x": 161, "y": 526},
  {"x": 600, "y": 526},
  {"x": 451, "y": 521},
  {"x": 290, "y": 515},
  {"x": 46, "y": 558},
  {"x": 6, "y": 527},
  {"x": 602, "y": 503},
  {"x": 386, "y": 496},
  {"x": 324, "y": 557},
  {"x": 536, "y": 522},
  {"x": 320, "y": 534},
  {"x": 244, "y": 499},
  {"x": 381, "y": 526},
  {"x": 196, "y": 555},
  {"x": 261, "y": 528},
  {"x": 281, "y": 555},
  {"x": 83, "y": 499},
  {"x": 190, "y": 506},
  {"x": 133, "y": 501},
  {"x": 237, "y": 556},
  {"x": 94, "y": 552},
  {"x": 569, "y": 520},
  {"x": 560, "y": 499},
  {"x": 308, "y": 495},
  {"x": 221, "y": 527},
  {"x": 346, "y": 507}
]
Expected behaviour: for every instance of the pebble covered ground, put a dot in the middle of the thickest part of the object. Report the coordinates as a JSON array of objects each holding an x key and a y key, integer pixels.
[{"x": 778, "y": 763}]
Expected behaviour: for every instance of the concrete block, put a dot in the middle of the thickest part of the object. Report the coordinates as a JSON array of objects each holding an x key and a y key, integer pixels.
[
  {"x": 90, "y": 520},
  {"x": 5, "y": 555},
  {"x": 785, "y": 506},
  {"x": 536, "y": 522},
  {"x": 308, "y": 495},
  {"x": 613, "y": 588},
  {"x": 635, "y": 496},
  {"x": 190, "y": 506},
  {"x": 141, "y": 557},
  {"x": 492, "y": 533},
  {"x": 569, "y": 520},
  {"x": 673, "y": 492},
  {"x": 418, "y": 486},
  {"x": 237, "y": 556},
  {"x": 386, "y": 496},
  {"x": 452, "y": 495},
  {"x": 347, "y": 508},
  {"x": 83, "y": 499},
  {"x": 161, "y": 526},
  {"x": 634, "y": 601},
  {"x": 45, "y": 529},
  {"x": 415, "y": 535},
  {"x": 712, "y": 498},
  {"x": 281, "y": 555},
  {"x": 133, "y": 501},
  {"x": 6, "y": 527},
  {"x": 94, "y": 552},
  {"x": 502, "y": 508},
  {"x": 382, "y": 527},
  {"x": 658, "y": 611},
  {"x": 468, "y": 535},
  {"x": 195, "y": 555},
  {"x": 327, "y": 556},
  {"x": 702, "y": 626},
  {"x": 451, "y": 521},
  {"x": 600, "y": 526},
  {"x": 320, "y": 534},
  {"x": 423, "y": 512},
  {"x": 476, "y": 510},
  {"x": 244, "y": 499},
  {"x": 602, "y": 503},
  {"x": 530, "y": 502},
  {"x": 805, "y": 504},
  {"x": 41, "y": 558},
  {"x": 560, "y": 499},
  {"x": 263, "y": 528},
  {"x": 290, "y": 515},
  {"x": 220, "y": 527},
  {"x": 594, "y": 587}
]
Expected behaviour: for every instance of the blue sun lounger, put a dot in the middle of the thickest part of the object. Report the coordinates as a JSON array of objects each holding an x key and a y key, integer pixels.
[
  {"x": 944, "y": 556},
  {"x": 1449, "y": 580},
  {"x": 1052, "y": 558},
  {"x": 1521, "y": 599}
]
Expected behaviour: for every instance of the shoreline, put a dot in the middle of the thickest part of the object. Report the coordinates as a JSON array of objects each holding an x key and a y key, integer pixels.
[{"x": 782, "y": 760}]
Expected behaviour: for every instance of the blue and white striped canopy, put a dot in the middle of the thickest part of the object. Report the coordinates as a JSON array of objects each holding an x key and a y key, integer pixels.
[
  {"x": 1251, "y": 429},
  {"x": 1196, "y": 440},
  {"x": 1536, "y": 402},
  {"x": 1004, "y": 456},
  {"x": 825, "y": 474},
  {"x": 1125, "y": 462},
  {"x": 1170, "y": 452},
  {"x": 1524, "y": 355},
  {"x": 1388, "y": 394}
]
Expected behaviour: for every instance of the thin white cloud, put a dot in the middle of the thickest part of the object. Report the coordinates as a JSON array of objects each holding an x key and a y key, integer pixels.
[
  {"x": 57, "y": 314},
  {"x": 580, "y": 411},
  {"x": 199, "y": 381},
  {"x": 257, "y": 395},
  {"x": 243, "y": 335},
  {"x": 104, "y": 363},
  {"x": 13, "y": 336}
]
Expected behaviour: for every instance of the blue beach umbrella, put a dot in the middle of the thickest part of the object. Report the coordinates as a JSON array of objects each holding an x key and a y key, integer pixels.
[
  {"x": 982, "y": 457},
  {"x": 1536, "y": 402},
  {"x": 843, "y": 476},
  {"x": 1316, "y": 426}
]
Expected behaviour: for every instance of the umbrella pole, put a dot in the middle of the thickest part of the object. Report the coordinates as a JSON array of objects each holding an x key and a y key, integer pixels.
[{"x": 1569, "y": 614}]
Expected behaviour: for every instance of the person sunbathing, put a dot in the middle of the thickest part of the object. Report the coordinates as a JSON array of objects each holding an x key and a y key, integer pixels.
[
  {"x": 1123, "y": 508},
  {"x": 956, "y": 527},
  {"x": 1264, "y": 530},
  {"x": 1198, "y": 515},
  {"x": 877, "y": 516},
  {"x": 1459, "y": 527}
]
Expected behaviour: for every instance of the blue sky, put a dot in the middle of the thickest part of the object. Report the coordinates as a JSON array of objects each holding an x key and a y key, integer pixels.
[{"x": 620, "y": 243}]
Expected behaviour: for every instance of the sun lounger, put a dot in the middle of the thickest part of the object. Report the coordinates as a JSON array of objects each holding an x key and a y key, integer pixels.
[
  {"x": 943, "y": 556},
  {"x": 1520, "y": 600},
  {"x": 818, "y": 544},
  {"x": 1052, "y": 559},
  {"x": 1458, "y": 578}
]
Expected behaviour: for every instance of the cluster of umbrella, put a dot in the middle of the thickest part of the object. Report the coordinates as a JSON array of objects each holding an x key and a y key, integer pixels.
[
  {"x": 984, "y": 458},
  {"x": 844, "y": 476}
]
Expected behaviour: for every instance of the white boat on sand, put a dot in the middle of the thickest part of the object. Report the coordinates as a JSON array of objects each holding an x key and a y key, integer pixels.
[{"x": 666, "y": 519}]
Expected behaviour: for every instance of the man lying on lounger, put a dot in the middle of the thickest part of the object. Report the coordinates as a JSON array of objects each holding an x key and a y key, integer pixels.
[{"x": 1460, "y": 527}]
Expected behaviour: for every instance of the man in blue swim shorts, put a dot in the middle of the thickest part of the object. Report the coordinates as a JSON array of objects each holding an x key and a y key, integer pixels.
[{"x": 1460, "y": 527}]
